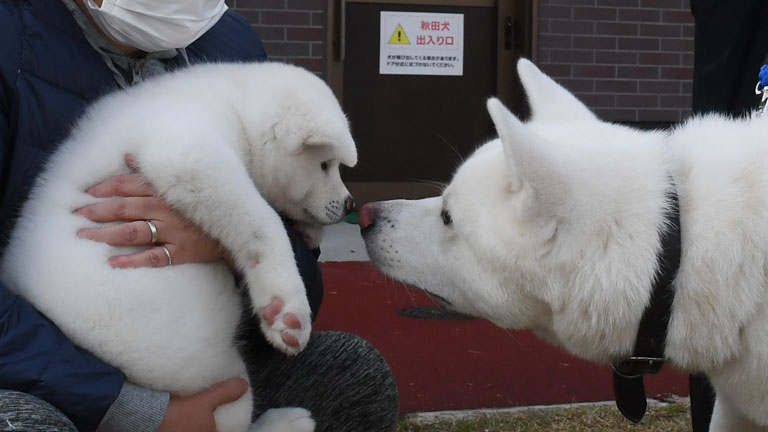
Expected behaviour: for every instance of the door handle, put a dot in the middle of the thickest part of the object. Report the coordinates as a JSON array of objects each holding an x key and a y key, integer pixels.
[
  {"x": 509, "y": 27},
  {"x": 339, "y": 30},
  {"x": 343, "y": 32}
]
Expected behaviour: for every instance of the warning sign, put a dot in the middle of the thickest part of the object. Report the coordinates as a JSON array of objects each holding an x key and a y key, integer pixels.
[
  {"x": 399, "y": 37},
  {"x": 416, "y": 43}
]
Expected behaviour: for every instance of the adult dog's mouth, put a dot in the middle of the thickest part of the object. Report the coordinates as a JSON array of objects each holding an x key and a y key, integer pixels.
[{"x": 438, "y": 297}]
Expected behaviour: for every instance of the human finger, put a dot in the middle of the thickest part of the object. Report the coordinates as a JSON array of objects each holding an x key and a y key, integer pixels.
[
  {"x": 125, "y": 209},
  {"x": 224, "y": 392},
  {"x": 158, "y": 256},
  {"x": 136, "y": 233},
  {"x": 122, "y": 185}
]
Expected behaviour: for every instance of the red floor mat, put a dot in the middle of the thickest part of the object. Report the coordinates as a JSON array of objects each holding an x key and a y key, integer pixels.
[{"x": 461, "y": 364}]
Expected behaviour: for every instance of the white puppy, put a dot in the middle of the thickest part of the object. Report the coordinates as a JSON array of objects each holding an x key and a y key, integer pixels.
[
  {"x": 224, "y": 144},
  {"x": 556, "y": 226}
]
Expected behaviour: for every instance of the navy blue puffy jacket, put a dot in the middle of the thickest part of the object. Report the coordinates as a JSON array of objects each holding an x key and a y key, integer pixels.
[{"x": 48, "y": 75}]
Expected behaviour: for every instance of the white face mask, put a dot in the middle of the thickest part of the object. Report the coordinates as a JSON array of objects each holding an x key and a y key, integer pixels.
[{"x": 156, "y": 25}]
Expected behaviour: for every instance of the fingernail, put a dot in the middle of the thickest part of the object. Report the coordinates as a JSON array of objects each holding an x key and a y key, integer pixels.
[{"x": 82, "y": 233}]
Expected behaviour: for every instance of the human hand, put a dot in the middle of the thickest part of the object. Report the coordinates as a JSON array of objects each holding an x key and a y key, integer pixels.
[
  {"x": 194, "y": 413},
  {"x": 134, "y": 204}
]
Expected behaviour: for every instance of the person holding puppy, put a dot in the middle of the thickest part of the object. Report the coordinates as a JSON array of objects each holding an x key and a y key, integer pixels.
[{"x": 58, "y": 56}]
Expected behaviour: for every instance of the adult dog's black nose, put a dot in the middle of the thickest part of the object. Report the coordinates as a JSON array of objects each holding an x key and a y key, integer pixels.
[{"x": 349, "y": 204}]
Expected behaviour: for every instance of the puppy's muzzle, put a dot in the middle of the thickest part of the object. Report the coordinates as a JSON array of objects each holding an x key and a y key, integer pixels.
[{"x": 349, "y": 204}]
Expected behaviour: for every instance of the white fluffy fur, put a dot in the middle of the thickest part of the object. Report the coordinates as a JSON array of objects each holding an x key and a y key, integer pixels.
[
  {"x": 556, "y": 228},
  {"x": 221, "y": 143}
]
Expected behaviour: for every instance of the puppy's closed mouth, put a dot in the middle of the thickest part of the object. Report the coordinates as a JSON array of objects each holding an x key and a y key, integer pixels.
[{"x": 313, "y": 219}]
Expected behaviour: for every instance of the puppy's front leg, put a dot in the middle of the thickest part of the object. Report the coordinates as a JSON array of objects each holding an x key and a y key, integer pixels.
[{"x": 210, "y": 186}]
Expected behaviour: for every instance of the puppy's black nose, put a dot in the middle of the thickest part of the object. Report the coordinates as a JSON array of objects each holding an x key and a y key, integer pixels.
[{"x": 349, "y": 204}]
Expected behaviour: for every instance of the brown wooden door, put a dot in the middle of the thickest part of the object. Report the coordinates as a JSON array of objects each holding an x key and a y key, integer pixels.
[{"x": 414, "y": 130}]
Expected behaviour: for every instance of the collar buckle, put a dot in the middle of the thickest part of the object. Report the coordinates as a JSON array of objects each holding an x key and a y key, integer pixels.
[{"x": 636, "y": 367}]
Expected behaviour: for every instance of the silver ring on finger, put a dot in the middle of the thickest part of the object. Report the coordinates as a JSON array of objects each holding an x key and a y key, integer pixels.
[
  {"x": 152, "y": 231},
  {"x": 168, "y": 254}
]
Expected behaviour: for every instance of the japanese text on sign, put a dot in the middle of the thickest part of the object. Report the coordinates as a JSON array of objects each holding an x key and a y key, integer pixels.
[{"x": 421, "y": 43}]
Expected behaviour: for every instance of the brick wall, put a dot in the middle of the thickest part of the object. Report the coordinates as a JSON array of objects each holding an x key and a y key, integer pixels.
[
  {"x": 628, "y": 60},
  {"x": 292, "y": 30}
]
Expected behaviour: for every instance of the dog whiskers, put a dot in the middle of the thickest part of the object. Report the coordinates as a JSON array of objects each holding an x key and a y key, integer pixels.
[
  {"x": 452, "y": 147},
  {"x": 440, "y": 186}
]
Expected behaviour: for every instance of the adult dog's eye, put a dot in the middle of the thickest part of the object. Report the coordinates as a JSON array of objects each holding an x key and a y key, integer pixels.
[
  {"x": 324, "y": 166},
  {"x": 446, "y": 217}
]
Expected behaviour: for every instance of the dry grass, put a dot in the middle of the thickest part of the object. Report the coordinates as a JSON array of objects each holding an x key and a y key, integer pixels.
[{"x": 605, "y": 418}]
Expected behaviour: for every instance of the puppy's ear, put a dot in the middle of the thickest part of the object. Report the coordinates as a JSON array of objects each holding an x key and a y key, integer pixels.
[
  {"x": 519, "y": 143},
  {"x": 341, "y": 142},
  {"x": 299, "y": 130},
  {"x": 548, "y": 99}
]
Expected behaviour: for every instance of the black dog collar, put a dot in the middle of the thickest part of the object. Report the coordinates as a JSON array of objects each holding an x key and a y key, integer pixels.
[{"x": 648, "y": 355}]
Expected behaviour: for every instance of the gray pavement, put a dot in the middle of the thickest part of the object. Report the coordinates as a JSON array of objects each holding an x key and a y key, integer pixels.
[{"x": 342, "y": 242}]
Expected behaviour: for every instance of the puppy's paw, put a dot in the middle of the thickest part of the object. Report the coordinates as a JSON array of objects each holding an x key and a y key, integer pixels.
[
  {"x": 287, "y": 323},
  {"x": 284, "y": 420},
  {"x": 279, "y": 299}
]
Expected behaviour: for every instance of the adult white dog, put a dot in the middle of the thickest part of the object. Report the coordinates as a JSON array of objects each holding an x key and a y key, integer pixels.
[
  {"x": 556, "y": 227},
  {"x": 224, "y": 144}
]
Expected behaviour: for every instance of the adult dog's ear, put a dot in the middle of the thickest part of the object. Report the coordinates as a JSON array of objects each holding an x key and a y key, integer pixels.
[
  {"x": 549, "y": 100},
  {"x": 519, "y": 144},
  {"x": 534, "y": 180}
]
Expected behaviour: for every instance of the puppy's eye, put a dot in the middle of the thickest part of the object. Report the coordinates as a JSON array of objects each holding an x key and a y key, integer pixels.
[
  {"x": 324, "y": 166},
  {"x": 446, "y": 217}
]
